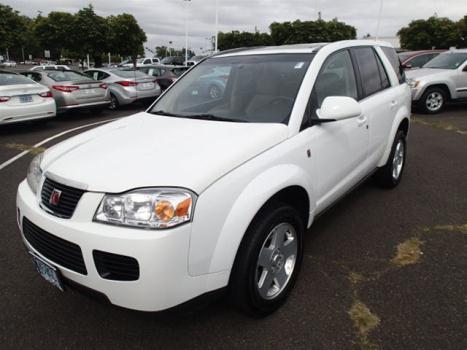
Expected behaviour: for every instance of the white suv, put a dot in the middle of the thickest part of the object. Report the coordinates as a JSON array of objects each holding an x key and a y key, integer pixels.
[{"x": 197, "y": 194}]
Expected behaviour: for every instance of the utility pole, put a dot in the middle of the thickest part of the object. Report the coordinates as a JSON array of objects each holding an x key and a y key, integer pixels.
[
  {"x": 380, "y": 12},
  {"x": 217, "y": 27},
  {"x": 186, "y": 30}
]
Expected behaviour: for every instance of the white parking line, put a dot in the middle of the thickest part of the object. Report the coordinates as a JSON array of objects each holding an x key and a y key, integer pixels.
[{"x": 15, "y": 158}]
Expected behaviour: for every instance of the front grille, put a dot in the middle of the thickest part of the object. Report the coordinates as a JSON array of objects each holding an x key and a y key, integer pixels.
[
  {"x": 58, "y": 250},
  {"x": 116, "y": 267},
  {"x": 68, "y": 201}
]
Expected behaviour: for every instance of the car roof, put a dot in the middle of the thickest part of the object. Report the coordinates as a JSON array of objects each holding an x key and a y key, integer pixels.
[{"x": 299, "y": 48}]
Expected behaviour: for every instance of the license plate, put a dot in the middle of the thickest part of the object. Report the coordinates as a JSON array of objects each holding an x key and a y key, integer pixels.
[
  {"x": 90, "y": 91},
  {"x": 47, "y": 271},
  {"x": 25, "y": 98},
  {"x": 146, "y": 85}
]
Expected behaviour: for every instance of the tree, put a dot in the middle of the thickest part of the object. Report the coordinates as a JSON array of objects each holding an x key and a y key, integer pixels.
[
  {"x": 126, "y": 36},
  {"x": 237, "y": 39},
  {"x": 462, "y": 32},
  {"x": 12, "y": 29},
  {"x": 299, "y": 32},
  {"x": 54, "y": 32},
  {"x": 90, "y": 35},
  {"x": 435, "y": 32}
]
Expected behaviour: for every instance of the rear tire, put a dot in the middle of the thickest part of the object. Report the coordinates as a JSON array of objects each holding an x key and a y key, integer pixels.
[
  {"x": 432, "y": 101},
  {"x": 113, "y": 102},
  {"x": 268, "y": 260},
  {"x": 389, "y": 176}
]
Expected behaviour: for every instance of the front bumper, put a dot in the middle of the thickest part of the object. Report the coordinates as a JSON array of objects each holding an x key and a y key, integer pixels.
[{"x": 164, "y": 281}]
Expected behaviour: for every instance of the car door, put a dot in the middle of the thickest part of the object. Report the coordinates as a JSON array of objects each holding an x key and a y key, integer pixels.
[
  {"x": 379, "y": 102},
  {"x": 339, "y": 148},
  {"x": 460, "y": 80}
]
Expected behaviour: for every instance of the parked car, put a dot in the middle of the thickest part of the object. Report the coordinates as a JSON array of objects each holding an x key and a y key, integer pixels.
[
  {"x": 442, "y": 79},
  {"x": 22, "y": 99},
  {"x": 141, "y": 62},
  {"x": 50, "y": 67},
  {"x": 416, "y": 59},
  {"x": 73, "y": 90},
  {"x": 173, "y": 61},
  {"x": 194, "y": 60},
  {"x": 195, "y": 196},
  {"x": 126, "y": 86},
  {"x": 9, "y": 64},
  {"x": 165, "y": 75}
]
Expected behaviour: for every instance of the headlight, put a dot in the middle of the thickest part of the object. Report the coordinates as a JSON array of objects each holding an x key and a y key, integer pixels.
[
  {"x": 413, "y": 83},
  {"x": 147, "y": 208},
  {"x": 35, "y": 172}
]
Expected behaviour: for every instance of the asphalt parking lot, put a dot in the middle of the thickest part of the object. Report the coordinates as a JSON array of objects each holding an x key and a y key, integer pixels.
[{"x": 383, "y": 269}]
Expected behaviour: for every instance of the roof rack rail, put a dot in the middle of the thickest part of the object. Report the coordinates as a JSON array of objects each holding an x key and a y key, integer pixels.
[{"x": 239, "y": 49}]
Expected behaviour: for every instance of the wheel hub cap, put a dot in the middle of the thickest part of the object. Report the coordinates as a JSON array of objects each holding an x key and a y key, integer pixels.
[
  {"x": 434, "y": 101},
  {"x": 398, "y": 160},
  {"x": 276, "y": 261}
]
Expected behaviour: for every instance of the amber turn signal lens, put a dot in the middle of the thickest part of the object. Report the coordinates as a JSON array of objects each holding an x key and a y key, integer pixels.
[
  {"x": 183, "y": 208},
  {"x": 164, "y": 211}
]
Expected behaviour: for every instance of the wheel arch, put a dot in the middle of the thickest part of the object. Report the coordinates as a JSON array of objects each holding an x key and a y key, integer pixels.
[
  {"x": 401, "y": 122},
  {"x": 287, "y": 183},
  {"x": 443, "y": 86}
]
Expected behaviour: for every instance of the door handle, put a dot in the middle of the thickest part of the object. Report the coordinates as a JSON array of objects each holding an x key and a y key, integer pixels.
[{"x": 361, "y": 120}]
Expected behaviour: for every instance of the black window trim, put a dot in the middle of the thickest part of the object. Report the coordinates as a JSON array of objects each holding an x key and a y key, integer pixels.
[{"x": 308, "y": 116}]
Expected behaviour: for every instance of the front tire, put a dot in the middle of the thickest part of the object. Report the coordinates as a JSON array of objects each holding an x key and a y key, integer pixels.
[
  {"x": 433, "y": 101},
  {"x": 389, "y": 176},
  {"x": 268, "y": 260}
]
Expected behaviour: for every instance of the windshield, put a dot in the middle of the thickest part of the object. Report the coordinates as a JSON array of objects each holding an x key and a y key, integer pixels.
[
  {"x": 67, "y": 76},
  {"x": 255, "y": 88},
  {"x": 449, "y": 60},
  {"x": 13, "y": 79}
]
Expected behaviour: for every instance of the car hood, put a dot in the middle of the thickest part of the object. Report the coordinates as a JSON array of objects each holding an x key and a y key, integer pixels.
[
  {"x": 424, "y": 72},
  {"x": 146, "y": 150}
]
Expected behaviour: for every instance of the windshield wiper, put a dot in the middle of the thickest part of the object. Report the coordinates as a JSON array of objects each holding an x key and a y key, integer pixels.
[
  {"x": 205, "y": 116},
  {"x": 215, "y": 118},
  {"x": 168, "y": 114}
]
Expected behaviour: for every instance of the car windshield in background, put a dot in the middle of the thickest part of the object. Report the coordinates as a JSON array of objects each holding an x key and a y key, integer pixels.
[
  {"x": 450, "y": 60},
  {"x": 67, "y": 76},
  {"x": 13, "y": 79},
  {"x": 129, "y": 73},
  {"x": 404, "y": 55},
  {"x": 254, "y": 88}
]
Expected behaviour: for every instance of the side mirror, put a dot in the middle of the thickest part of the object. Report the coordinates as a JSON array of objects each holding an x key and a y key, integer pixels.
[
  {"x": 336, "y": 108},
  {"x": 465, "y": 69}
]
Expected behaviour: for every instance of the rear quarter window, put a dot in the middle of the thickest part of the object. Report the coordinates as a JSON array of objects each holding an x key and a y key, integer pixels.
[{"x": 395, "y": 62}]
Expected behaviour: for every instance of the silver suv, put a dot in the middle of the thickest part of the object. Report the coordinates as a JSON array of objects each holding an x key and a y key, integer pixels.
[{"x": 442, "y": 79}]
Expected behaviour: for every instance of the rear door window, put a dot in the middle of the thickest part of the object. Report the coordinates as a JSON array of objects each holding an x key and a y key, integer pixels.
[{"x": 369, "y": 71}]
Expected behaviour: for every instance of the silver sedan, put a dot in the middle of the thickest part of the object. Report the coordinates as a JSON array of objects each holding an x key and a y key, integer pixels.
[
  {"x": 126, "y": 86},
  {"x": 22, "y": 99},
  {"x": 73, "y": 90}
]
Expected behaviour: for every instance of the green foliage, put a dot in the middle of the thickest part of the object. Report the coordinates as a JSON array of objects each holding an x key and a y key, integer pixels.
[
  {"x": 289, "y": 33},
  {"x": 72, "y": 35},
  {"x": 12, "y": 28},
  {"x": 236, "y": 39},
  {"x": 299, "y": 32},
  {"x": 126, "y": 36},
  {"x": 434, "y": 32}
]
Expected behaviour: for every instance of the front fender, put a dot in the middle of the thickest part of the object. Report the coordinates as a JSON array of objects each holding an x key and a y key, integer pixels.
[{"x": 224, "y": 212}]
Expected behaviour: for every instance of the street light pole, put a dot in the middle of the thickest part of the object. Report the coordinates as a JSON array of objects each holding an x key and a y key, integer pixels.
[
  {"x": 380, "y": 12},
  {"x": 186, "y": 31},
  {"x": 217, "y": 26}
]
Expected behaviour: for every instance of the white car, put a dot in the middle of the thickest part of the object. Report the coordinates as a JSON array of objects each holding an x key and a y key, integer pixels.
[
  {"x": 50, "y": 67},
  {"x": 141, "y": 62},
  {"x": 22, "y": 99},
  {"x": 196, "y": 195},
  {"x": 10, "y": 64}
]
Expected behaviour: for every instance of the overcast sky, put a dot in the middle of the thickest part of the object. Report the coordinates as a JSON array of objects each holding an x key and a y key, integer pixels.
[{"x": 164, "y": 20}]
